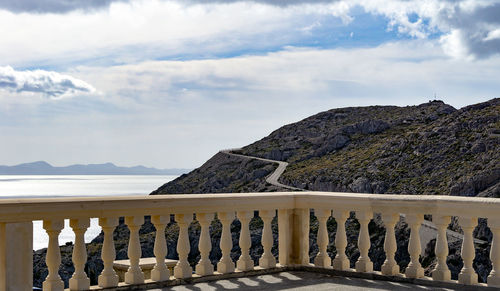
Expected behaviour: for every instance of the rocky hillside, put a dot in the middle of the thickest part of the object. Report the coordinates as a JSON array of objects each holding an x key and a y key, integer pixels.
[
  {"x": 426, "y": 149},
  {"x": 445, "y": 152},
  {"x": 223, "y": 174}
]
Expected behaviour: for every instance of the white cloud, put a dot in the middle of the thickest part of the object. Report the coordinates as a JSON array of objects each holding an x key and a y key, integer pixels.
[
  {"x": 494, "y": 34},
  {"x": 138, "y": 30},
  {"x": 141, "y": 30},
  {"x": 46, "y": 83},
  {"x": 52, "y": 6},
  {"x": 179, "y": 113},
  {"x": 468, "y": 28}
]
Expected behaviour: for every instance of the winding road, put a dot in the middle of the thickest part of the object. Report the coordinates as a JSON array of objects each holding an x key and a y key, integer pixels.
[
  {"x": 428, "y": 231},
  {"x": 273, "y": 178}
]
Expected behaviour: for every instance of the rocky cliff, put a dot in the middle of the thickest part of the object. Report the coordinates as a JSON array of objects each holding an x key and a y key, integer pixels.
[
  {"x": 429, "y": 149},
  {"x": 223, "y": 174}
]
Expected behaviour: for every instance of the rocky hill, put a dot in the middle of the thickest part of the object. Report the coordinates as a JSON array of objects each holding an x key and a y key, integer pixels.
[
  {"x": 223, "y": 174},
  {"x": 428, "y": 149}
]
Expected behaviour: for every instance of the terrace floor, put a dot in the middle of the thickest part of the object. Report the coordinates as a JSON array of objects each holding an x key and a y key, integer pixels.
[{"x": 301, "y": 280}]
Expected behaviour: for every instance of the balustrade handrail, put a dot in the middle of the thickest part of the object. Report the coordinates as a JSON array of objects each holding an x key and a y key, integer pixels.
[{"x": 24, "y": 209}]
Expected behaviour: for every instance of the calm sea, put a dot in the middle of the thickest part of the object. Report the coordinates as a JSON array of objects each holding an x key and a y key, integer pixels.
[{"x": 28, "y": 186}]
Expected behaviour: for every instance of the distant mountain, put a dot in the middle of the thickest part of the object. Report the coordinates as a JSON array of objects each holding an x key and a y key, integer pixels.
[{"x": 44, "y": 168}]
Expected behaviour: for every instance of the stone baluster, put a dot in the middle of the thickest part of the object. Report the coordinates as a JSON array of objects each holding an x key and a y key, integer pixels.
[
  {"x": 204, "y": 266},
  {"x": 267, "y": 259},
  {"x": 134, "y": 275},
  {"x": 364, "y": 264},
  {"x": 53, "y": 281},
  {"x": 226, "y": 264},
  {"x": 322, "y": 259},
  {"x": 414, "y": 269},
  {"x": 245, "y": 262},
  {"x": 494, "y": 277},
  {"x": 390, "y": 267},
  {"x": 183, "y": 269},
  {"x": 79, "y": 280},
  {"x": 341, "y": 262},
  {"x": 441, "y": 271},
  {"x": 160, "y": 271},
  {"x": 108, "y": 276},
  {"x": 468, "y": 274}
]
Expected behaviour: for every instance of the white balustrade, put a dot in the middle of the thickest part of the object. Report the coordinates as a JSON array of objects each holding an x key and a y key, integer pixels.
[
  {"x": 468, "y": 275},
  {"x": 108, "y": 276},
  {"x": 390, "y": 267},
  {"x": 245, "y": 262},
  {"x": 293, "y": 233},
  {"x": 134, "y": 275},
  {"x": 364, "y": 264},
  {"x": 53, "y": 281},
  {"x": 226, "y": 264},
  {"x": 494, "y": 277},
  {"x": 341, "y": 261},
  {"x": 414, "y": 269},
  {"x": 183, "y": 269},
  {"x": 79, "y": 280},
  {"x": 322, "y": 259},
  {"x": 441, "y": 272},
  {"x": 160, "y": 271},
  {"x": 267, "y": 259},
  {"x": 204, "y": 266}
]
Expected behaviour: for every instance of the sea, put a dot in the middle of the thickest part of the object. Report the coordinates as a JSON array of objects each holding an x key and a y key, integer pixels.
[{"x": 40, "y": 186}]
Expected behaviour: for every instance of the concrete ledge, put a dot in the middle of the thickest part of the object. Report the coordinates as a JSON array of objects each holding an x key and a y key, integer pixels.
[
  {"x": 147, "y": 264},
  {"x": 260, "y": 271},
  {"x": 426, "y": 281}
]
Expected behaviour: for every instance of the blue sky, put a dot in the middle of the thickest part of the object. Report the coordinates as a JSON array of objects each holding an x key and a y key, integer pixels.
[{"x": 169, "y": 83}]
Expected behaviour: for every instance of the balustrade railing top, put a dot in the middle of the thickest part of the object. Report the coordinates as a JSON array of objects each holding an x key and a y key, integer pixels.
[
  {"x": 292, "y": 209},
  {"x": 16, "y": 210}
]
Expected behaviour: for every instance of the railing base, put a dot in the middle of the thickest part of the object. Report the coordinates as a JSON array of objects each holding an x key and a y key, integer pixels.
[{"x": 375, "y": 275}]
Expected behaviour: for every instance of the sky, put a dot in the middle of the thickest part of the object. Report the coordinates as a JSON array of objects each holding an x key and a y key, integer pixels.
[{"x": 167, "y": 84}]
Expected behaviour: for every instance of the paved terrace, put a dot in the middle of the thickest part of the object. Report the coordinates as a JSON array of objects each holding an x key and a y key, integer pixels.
[
  {"x": 292, "y": 210},
  {"x": 302, "y": 280}
]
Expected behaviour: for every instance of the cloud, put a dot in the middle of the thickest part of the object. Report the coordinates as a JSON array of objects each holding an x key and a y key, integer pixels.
[
  {"x": 159, "y": 30},
  {"x": 220, "y": 28},
  {"x": 64, "y": 6},
  {"x": 475, "y": 30},
  {"x": 269, "y": 2},
  {"x": 160, "y": 110},
  {"x": 53, "y": 6},
  {"x": 50, "y": 84},
  {"x": 469, "y": 28},
  {"x": 466, "y": 29}
]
